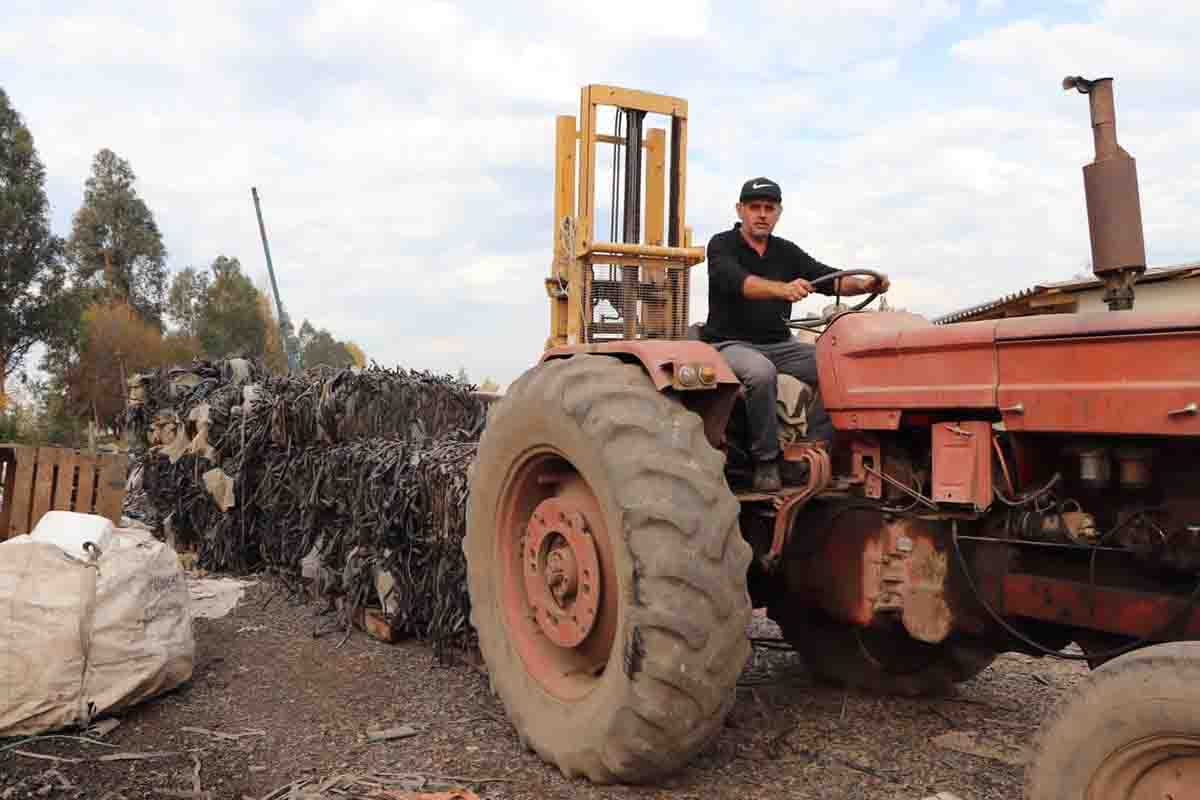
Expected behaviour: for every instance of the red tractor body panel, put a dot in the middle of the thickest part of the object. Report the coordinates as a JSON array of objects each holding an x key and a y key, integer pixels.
[
  {"x": 1080, "y": 373},
  {"x": 660, "y": 357},
  {"x": 874, "y": 366},
  {"x": 1113, "y": 373}
]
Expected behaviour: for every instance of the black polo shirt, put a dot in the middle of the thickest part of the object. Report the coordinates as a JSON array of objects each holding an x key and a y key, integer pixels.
[{"x": 731, "y": 315}]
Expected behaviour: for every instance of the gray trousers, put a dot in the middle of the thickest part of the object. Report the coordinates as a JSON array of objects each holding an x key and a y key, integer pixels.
[{"x": 757, "y": 366}]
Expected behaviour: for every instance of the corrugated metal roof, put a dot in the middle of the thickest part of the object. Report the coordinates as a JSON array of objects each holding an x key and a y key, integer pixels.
[{"x": 1152, "y": 275}]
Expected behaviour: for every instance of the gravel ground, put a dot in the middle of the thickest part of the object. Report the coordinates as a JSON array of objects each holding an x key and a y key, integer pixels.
[{"x": 290, "y": 707}]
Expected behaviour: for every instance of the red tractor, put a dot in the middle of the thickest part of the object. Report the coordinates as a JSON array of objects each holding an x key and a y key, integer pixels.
[{"x": 1008, "y": 485}]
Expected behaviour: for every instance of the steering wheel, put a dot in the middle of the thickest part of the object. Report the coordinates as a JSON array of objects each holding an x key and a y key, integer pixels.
[{"x": 816, "y": 321}]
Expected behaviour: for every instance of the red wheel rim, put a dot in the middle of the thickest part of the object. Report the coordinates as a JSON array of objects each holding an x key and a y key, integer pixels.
[
  {"x": 552, "y": 542},
  {"x": 1153, "y": 768}
]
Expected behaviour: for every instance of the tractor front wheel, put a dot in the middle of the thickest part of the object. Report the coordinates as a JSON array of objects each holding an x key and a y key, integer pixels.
[
  {"x": 606, "y": 571},
  {"x": 1129, "y": 731}
]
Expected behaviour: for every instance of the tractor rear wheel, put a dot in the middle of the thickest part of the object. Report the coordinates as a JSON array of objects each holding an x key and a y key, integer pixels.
[
  {"x": 885, "y": 661},
  {"x": 1129, "y": 731},
  {"x": 606, "y": 571}
]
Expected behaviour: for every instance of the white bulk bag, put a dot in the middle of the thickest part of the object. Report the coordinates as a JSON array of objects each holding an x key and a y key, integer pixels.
[
  {"x": 82, "y": 636},
  {"x": 71, "y": 530}
]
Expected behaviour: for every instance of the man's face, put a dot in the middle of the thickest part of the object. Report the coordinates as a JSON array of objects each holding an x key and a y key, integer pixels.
[{"x": 759, "y": 217}]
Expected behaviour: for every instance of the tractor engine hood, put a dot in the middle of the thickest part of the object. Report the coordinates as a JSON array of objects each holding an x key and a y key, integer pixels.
[{"x": 1077, "y": 373}]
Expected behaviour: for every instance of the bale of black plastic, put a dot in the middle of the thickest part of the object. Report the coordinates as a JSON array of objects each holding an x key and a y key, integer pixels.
[{"x": 356, "y": 479}]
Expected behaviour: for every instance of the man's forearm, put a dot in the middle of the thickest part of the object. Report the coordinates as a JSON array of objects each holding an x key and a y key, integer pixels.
[{"x": 756, "y": 288}]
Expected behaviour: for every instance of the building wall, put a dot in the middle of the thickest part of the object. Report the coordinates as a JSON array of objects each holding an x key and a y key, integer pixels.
[{"x": 1176, "y": 295}]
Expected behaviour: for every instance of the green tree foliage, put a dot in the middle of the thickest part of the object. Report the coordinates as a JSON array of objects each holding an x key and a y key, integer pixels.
[
  {"x": 324, "y": 349},
  {"x": 115, "y": 248},
  {"x": 185, "y": 300},
  {"x": 31, "y": 267},
  {"x": 46, "y": 420},
  {"x": 10, "y": 424},
  {"x": 318, "y": 347},
  {"x": 230, "y": 322}
]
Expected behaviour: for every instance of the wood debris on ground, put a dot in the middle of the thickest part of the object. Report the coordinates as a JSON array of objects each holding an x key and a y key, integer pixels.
[
  {"x": 372, "y": 786},
  {"x": 1004, "y": 746}
]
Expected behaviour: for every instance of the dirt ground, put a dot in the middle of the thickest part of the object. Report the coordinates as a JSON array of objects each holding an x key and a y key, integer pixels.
[{"x": 305, "y": 704}]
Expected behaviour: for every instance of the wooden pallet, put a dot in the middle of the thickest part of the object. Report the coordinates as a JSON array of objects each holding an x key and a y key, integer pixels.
[{"x": 40, "y": 479}]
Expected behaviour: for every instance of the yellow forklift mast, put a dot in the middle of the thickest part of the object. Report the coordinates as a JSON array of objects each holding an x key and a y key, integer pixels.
[{"x": 636, "y": 285}]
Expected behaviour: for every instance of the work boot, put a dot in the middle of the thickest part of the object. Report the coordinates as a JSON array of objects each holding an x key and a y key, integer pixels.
[{"x": 766, "y": 476}]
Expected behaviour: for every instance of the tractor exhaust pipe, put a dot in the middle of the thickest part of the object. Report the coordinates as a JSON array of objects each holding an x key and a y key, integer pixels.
[{"x": 1114, "y": 209}]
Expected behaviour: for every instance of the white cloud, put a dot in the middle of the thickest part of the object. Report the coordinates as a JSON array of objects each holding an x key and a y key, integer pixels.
[
  {"x": 404, "y": 152},
  {"x": 1089, "y": 49},
  {"x": 185, "y": 39}
]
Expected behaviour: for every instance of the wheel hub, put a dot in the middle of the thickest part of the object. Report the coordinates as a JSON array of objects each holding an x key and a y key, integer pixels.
[{"x": 562, "y": 572}]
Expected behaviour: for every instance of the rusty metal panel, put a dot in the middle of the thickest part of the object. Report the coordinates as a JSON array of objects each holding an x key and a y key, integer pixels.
[
  {"x": 866, "y": 464},
  {"x": 927, "y": 614},
  {"x": 844, "y": 576},
  {"x": 1122, "y": 611},
  {"x": 868, "y": 420},
  {"x": 1082, "y": 377},
  {"x": 962, "y": 463},
  {"x": 1096, "y": 323},
  {"x": 1114, "y": 215},
  {"x": 868, "y": 568},
  {"x": 897, "y": 361},
  {"x": 658, "y": 357}
]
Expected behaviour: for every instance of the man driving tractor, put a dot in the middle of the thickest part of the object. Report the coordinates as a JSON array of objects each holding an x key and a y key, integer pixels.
[{"x": 753, "y": 279}]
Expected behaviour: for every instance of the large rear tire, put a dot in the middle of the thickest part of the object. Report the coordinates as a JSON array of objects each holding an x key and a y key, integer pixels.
[
  {"x": 889, "y": 662},
  {"x": 1129, "y": 731},
  {"x": 606, "y": 570}
]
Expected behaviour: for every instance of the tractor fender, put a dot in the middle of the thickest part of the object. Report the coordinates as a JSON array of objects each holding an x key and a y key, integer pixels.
[{"x": 661, "y": 360}]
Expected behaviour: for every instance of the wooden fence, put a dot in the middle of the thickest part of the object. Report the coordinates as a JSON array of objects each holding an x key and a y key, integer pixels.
[{"x": 34, "y": 480}]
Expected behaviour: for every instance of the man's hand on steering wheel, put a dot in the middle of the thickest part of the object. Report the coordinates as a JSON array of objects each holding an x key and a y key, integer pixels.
[
  {"x": 867, "y": 284},
  {"x": 795, "y": 291},
  {"x": 878, "y": 285},
  {"x": 845, "y": 282}
]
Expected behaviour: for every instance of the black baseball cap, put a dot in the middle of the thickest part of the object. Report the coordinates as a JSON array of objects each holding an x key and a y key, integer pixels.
[{"x": 761, "y": 189}]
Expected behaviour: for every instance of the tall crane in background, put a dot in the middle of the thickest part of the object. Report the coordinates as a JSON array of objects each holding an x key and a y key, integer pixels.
[{"x": 285, "y": 324}]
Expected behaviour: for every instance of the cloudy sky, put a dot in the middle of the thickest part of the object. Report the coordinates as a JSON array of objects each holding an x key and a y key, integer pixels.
[{"x": 404, "y": 150}]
